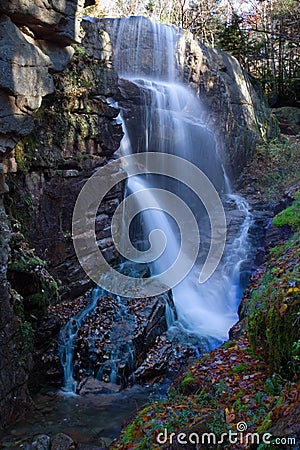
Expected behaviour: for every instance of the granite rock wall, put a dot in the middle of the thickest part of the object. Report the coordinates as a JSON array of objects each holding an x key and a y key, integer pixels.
[{"x": 34, "y": 43}]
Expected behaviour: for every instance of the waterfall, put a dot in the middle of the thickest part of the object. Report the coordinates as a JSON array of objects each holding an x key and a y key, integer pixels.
[
  {"x": 167, "y": 117},
  {"x": 162, "y": 116},
  {"x": 68, "y": 335}
]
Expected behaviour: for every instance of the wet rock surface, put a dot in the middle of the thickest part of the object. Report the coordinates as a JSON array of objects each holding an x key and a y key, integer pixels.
[
  {"x": 122, "y": 342},
  {"x": 63, "y": 442}
]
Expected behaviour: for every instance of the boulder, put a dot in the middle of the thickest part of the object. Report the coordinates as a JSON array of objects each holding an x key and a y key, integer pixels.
[
  {"x": 41, "y": 442},
  {"x": 23, "y": 66},
  {"x": 62, "y": 442},
  {"x": 93, "y": 386}
]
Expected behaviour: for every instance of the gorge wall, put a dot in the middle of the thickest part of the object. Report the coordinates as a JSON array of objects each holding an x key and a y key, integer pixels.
[
  {"x": 58, "y": 125},
  {"x": 34, "y": 42}
]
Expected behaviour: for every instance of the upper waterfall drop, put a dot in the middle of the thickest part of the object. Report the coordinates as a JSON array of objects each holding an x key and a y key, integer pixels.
[
  {"x": 161, "y": 114},
  {"x": 133, "y": 38}
]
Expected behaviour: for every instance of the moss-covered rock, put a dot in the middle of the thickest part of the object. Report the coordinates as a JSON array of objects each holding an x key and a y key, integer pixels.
[
  {"x": 273, "y": 310},
  {"x": 291, "y": 215},
  {"x": 28, "y": 275}
]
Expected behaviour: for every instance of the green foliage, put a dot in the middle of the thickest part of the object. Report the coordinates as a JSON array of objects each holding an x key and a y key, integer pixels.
[
  {"x": 239, "y": 406},
  {"x": 266, "y": 424},
  {"x": 274, "y": 385},
  {"x": 175, "y": 414},
  {"x": 205, "y": 399},
  {"x": 79, "y": 49},
  {"x": 290, "y": 216},
  {"x": 283, "y": 164},
  {"x": 33, "y": 287},
  {"x": 234, "y": 40},
  {"x": 217, "y": 424},
  {"x": 188, "y": 384},
  {"x": 229, "y": 344},
  {"x": 221, "y": 388},
  {"x": 26, "y": 153},
  {"x": 18, "y": 201},
  {"x": 26, "y": 264},
  {"x": 267, "y": 79},
  {"x": 295, "y": 355},
  {"x": 240, "y": 369},
  {"x": 22, "y": 164},
  {"x": 18, "y": 304},
  {"x": 275, "y": 168}
]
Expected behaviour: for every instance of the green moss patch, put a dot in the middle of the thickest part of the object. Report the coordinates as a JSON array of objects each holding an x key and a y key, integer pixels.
[
  {"x": 28, "y": 276},
  {"x": 273, "y": 321},
  {"x": 291, "y": 215}
]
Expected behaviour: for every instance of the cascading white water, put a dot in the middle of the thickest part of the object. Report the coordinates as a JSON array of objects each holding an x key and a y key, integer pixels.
[
  {"x": 163, "y": 115},
  {"x": 169, "y": 118},
  {"x": 68, "y": 335}
]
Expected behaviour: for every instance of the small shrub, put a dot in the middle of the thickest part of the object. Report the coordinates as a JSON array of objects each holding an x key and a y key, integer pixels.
[
  {"x": 229, "y": 344},
  {"x": 240, "y": 369},
  {"x": 189, "y": 384},
  {"x": 274, "y": 385},
  {"x": 290, "y": 216}
]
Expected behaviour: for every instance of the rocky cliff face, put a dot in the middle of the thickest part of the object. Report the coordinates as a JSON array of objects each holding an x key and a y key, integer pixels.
[
  {"x": 34, "y": 42},
  {"x": 75, "y": 132},
  {"x": 235, "y": 103}
]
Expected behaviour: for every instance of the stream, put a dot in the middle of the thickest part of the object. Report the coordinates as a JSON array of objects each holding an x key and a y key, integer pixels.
[{"x": 90, "y": 419}]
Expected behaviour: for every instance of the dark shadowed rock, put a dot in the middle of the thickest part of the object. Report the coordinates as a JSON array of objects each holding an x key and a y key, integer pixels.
[
  {"x": 41, "y": 442},
  {"x": 93, "y": 386},
  {"x": 62, "y": 442},
  {"x": 26, "y": 59},
  {"x": 289, "y": 119}
]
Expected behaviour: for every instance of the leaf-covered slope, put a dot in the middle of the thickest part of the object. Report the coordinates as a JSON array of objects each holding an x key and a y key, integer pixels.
[{"x": 252, "y": 379}]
